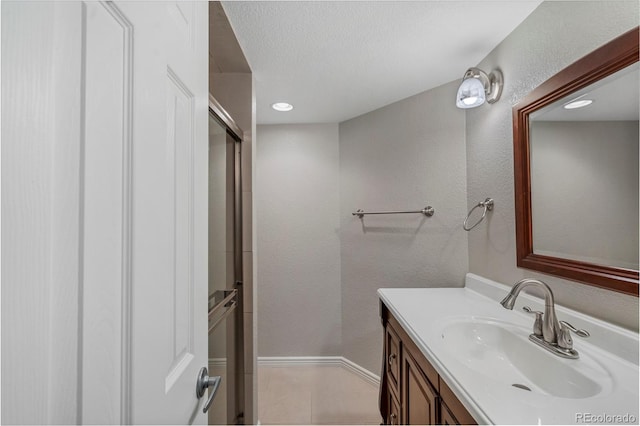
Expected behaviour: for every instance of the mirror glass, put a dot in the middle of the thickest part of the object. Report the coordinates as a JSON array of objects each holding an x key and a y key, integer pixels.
[{"x": 584, "y": 173}]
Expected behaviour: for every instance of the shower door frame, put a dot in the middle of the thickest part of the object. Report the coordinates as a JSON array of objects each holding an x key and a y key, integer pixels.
[{"x": 218, "y": 113}]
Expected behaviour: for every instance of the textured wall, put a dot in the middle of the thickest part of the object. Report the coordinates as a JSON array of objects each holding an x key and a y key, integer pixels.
[
  {"x": 552, "y": 37},
  {"x": 297, "y": 207},
  {"x": 403, "y": 156}
]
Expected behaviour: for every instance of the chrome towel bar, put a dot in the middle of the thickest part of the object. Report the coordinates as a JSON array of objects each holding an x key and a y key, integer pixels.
[
  {"x": 222, "y": 299},
  {"x": 225, "y": 314},
  {"x": 427, "y": 211}
]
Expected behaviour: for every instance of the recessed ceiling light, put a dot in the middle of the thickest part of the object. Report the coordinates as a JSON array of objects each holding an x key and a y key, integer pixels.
[
  {"x": 282, "y": 106},
  {"x": 578, "y": 104}
]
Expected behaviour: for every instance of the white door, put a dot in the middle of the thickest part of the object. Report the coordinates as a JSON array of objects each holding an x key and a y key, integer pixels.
[
  {"x": 146, "y": 181},
  {"x": 126, "y": 183}
]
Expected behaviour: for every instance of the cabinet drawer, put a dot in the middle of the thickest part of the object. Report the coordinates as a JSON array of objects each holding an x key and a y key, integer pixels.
[
  {"x": 393, "y": 410},
  {"x": 392, "y": 363}
]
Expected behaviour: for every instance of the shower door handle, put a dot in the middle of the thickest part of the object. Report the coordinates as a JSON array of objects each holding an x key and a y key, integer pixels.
[{"x": 204, "y": 382}]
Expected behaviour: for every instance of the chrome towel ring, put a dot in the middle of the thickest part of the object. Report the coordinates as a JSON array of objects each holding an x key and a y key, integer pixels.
[{"x": 487, "y": 204}]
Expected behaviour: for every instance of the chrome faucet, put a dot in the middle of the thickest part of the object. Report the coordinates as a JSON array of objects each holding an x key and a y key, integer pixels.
[
  {"x": 550, "y": 325},
  {"x": 553, "y": 335}
]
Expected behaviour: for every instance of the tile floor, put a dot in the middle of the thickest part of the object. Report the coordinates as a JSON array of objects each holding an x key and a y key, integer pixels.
[{"x": 305, "y": 395}]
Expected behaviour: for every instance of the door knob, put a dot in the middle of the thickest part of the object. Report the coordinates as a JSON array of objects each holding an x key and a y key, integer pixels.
[{"x": 204, "y": 382}]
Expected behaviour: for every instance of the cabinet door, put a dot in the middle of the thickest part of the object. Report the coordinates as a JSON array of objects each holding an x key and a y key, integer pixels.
[
  {"x": 421, "y": 402},
  {"x": 452, "y": 412},
  {"x": 446, "y": 418}
]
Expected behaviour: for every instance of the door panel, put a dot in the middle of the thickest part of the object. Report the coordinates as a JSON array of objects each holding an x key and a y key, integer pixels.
[
  {"x": 106, "y": 147},
  {"x": 179, "y": 155}
]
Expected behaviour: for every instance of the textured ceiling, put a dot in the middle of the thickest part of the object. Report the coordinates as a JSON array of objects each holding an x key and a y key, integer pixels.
[{"x": 337, "y": 60}]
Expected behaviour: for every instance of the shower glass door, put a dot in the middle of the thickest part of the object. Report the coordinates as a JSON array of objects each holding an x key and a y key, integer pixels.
[{"x": 225, "y": 270}]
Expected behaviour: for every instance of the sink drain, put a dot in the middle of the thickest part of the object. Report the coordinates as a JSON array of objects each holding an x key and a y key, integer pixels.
[{"x": 519, "y": 386}]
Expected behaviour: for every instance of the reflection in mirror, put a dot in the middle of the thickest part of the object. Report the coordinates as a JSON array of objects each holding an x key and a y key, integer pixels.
[{"x": 584, "y": 173}]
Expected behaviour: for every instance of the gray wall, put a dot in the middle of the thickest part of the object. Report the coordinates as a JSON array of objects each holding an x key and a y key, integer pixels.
[
  {"x": 297, "y": 204},
  {"x": 586, "y": 171},
  {"x": 403, "y": 156},
  {"x": 320, "y": 266},
  {"x": 552, "y": 37}
]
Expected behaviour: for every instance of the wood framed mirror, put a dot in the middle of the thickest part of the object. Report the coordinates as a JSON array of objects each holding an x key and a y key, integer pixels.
[{"x": 577, "y": 213}]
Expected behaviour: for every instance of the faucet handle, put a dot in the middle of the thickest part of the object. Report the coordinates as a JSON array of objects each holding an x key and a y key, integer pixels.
[
  {"x": 537, "y": 325},
  {"x": 564, "y": 339},
  {"x": 530, "y": 311},
  {"x": 581, "y": 333}
]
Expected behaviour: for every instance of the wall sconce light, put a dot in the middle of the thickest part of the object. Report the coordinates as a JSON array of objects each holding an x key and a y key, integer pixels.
[{"x": 478, "y": 87}]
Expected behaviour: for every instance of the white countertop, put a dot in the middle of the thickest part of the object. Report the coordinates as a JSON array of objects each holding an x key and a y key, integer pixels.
[{"x": 423, "y": 311}]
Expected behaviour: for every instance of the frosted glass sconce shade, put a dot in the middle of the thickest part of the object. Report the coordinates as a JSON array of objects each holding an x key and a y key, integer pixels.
[
  {"x": 470, "y": 94},
  {"x": 478, "y": 87}
]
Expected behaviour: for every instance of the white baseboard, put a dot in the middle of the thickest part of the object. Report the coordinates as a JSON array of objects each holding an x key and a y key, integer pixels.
[
  {"x": 334, "y": 361},
  {"x": 361, "y": 371}
]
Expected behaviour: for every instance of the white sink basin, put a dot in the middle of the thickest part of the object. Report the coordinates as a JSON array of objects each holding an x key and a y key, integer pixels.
[{"x": 503, "y": 353}]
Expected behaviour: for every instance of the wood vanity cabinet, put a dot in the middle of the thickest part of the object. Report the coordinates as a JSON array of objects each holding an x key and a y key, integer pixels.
[{"x": 411, "y": 391}]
